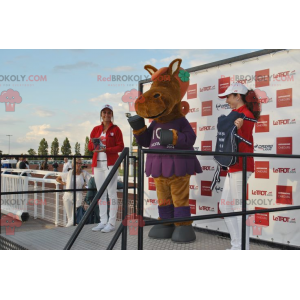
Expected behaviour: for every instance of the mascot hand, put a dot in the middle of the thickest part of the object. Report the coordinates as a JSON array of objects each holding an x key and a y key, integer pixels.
[
  {"x": 166, "y": 137},
  {"x": 136, "y": 122}
]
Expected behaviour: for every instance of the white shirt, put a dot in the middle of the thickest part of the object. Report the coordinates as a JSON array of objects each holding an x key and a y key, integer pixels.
[
  {"x": 102, "y": 155},
  {"x": 67, "y": 166}
]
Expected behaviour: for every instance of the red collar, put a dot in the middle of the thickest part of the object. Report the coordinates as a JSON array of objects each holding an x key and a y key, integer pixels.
[
  {"x": 102, "y": 125},
  {"x": 240, "y": 109}
]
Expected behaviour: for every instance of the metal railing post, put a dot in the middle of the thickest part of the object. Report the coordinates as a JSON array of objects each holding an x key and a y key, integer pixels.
[
  {"x": 244, "y": 200},
  {"x": 74, "y": 191},
  {"x": 125, "y": 200},
  {"x": 56, "y": 205},
  {"x": 0, "y": 191},
  {"x": 134, "y": 182},
  {"x": 141, "y": 198}
]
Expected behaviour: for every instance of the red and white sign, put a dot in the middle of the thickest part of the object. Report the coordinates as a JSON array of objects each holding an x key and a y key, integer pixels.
[
  {"x": 284, "y": 98},
  {"x": 194, "y": 126},
  {"x": 284, "y": 194},
  {"x": 224, "y": 83},
  {"x": 284, "y": 170},
  {"x": 261, "y": 193},
  {"x": 206, "y": 108},
  {"x": 151, "y": 184},
  {"x": 205, "y": 188},
  {"x": 206, "y": 208},
  {"x": 263, "y": 124},
  {"x": 208, "y": 168},
  {"x": 284, "y": 122},
  {"x": 206, "y": 145},
  {"x": 284, "y": 219},
  {"x": 262, "y": 218},
  {"x": 205, "y": 128},
  {"x": 192, "y": 91},
  {"x": 192, "y": 203},
  {"x": 284, "y": 145},
  {"x": 262, "y": 169},
  {"x": 262, "y": 78},
  {"x": 207, "y": 88}
]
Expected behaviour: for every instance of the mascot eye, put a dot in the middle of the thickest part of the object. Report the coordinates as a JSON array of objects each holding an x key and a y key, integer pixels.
[
  {"x": 156, "y": 95},
  {"x": 13, "y": 97}
]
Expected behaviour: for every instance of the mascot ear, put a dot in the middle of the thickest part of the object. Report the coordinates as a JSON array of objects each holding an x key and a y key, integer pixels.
[
  {"x": 150, "y": 69},
  {"x": 174, "y": 66}
]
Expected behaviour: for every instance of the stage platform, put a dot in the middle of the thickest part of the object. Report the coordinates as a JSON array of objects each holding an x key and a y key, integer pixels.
[{"x": 55, "y": 238}]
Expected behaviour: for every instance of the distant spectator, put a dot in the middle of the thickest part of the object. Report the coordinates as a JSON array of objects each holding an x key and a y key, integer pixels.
[
  {"x": 19, "y": 161},
  {"x": 67, "y": 165},
  {"x": 45, "y": 165},
  {"x": 22, "y": 165},
  {"x": 55, "y": 166}
]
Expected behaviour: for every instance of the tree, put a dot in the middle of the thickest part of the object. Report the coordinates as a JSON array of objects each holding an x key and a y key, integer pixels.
[
  {"x": 31, "y": 152},
  {"x": 55, "y": 147},
  {"x": 66, "y": 147},
  {"x": 43, "y": 148},
  {"x": 134, "y": 143},
  {"x": 87, "y": 152},
  {"x": 77, "y": 149}
]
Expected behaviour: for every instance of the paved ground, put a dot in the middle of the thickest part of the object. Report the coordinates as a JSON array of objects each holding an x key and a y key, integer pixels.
[{"x": 56, "y": 238}]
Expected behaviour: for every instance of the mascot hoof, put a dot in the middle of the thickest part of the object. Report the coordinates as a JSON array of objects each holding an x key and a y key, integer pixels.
[
  {"x": 184, "y": 234},
  {"x": 161, "y": 231}
]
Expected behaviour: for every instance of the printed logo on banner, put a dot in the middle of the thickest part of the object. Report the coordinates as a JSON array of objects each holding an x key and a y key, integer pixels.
[
  {"x": 206, "y": 145},
  {"x": 205, "y": 188},
  {"x": 224, "y": 83},
  {"x": 218, "y": 189},
  {"x": 192, "y": 203},
  {"x": 207, "y": 88},
  {"x": 262, "y": 78},
  {"x": 256, "y": 228},
  {"x": 205, "y": 128},
  {"x": 193, "y": 187},
  {"x": 284, "y": 170},
  {"x": 208, "y": 168},
  {"x": 284, "y": 145},
  {"x": 192, "y": 91},
  {"x": 284, "y": 76},
  {"x": 222, "y": 106},
  {"x": 262, "y": 96},
  {"x": 152, "y": 201},
  {"x": 151, "y": 184},
  {"x": 206, "y": 108},
  {"x": 284, "y": 122},
  {"x": 284, "y": 219},
  {"x": 258, "y": 147},
  {"x": 194, "y": 126},
  {"x": 263, "y": 124},
  {"x": 262, "y": 169},
  {"x": 206, "y": 208},
  {"x": 262, "y": 218},
  {"x": 193, "y": 110},
  {"x": 284, "y": 194},
  {"x": 284, "y": 98},
  {"x": 262, "y": 193}
]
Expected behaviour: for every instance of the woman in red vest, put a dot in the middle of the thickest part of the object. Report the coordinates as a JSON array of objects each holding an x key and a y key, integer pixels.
[{"x": 106, "y": 141}]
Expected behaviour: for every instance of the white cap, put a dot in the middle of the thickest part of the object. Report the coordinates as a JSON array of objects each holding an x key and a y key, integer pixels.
[
  {"x": 107, "y": 106},
  {"x": 235, "y": 88}
]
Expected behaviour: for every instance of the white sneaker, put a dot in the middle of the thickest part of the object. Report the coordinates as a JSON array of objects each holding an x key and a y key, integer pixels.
[
  {"x": 69, "y": 224},
  {"x": 108, "y": 228},
  {"x": 99, "y": 227}
]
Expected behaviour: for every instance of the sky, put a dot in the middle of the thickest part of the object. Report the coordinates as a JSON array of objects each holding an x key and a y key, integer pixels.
[{"x": 61, "y": 96}]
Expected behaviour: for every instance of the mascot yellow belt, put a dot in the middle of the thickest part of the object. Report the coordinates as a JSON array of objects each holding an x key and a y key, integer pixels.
[{"x": 168, "y": 130}]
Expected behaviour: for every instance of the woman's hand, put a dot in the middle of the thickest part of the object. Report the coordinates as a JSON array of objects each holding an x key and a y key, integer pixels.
[{"x": 239, "y": 123}]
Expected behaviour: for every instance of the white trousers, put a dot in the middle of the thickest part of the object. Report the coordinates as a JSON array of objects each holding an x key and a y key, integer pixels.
[
  {"x": 100, "y": 174},
  {"x": 69, "y": 207},
  {"x": 231, "y": 201}
]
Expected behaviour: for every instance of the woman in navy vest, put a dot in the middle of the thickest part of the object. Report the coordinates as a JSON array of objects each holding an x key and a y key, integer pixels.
[{"x": 244, "y": 101}]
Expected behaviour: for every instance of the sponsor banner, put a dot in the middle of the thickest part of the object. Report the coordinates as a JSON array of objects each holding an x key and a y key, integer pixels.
[
  {"x": 224, "y": 83},
  {"x": 262, "y": 219},
  {"x": 262, "y": 78},
  {"x": 205, "y": 188},
  {"x": 284, "y": 194},
  {"x": 284, "y": 98},
  {"x": 262, "y": 169},
  {"x": 207, "y": 88},
  {"x": 206, "y": 108},
  {"x": 192, "y": 91},
  {"x": 263, "y": 124},
  {"x": 206, "y": 145},
  {"x": 192, "y": 203},
  {"x": 284, "y": 145},
  {"x": 284, "y": 170},
  {"x": 151, "y": 184},
  {"x": 194, "y": 126}
]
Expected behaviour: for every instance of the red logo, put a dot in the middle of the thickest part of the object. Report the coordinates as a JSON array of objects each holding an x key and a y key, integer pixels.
[
  {"x": 206, "y": 145},
  {"x": 284, "y": 122},
  {"x": 132, "y": 221},
  {"x": 261, "y": 218},
  {"x": 205, "y": 188},
  {"x": 208, "y": 168},
  {"x": 256, "y": 228},
  {"x": 284, "y": 170},
  {"x": 192, "y": 203},
  {"x": 261, "y": 193},
  {"x": 10, "y": 98},
  {"x": 193, "y": 110},
  {"x": 224, "y": 83},
  {"x": 192, "y": 91},
  {"x": 151, "y": 184},
  {"x": 262, "y": 78},
  {"x": 10, "y": 223},
  {"x": 206, "y": 208},
  {"x": 130, "y": 98},
  {"x": 193, "y": 187},
  {"x": 284, "y": 194},
  {"x": 194, "y": 126},
  {"x": 205, "y": 128},
  {"x": 284, "y": 145},
  {"x": 206, "y": 108},
  {"x": 284, "y": 98},
  {"x": 262, "y": 96},
  {"x": 263, "y": 124},
  {"x": 207, "y": 88},
  {"x": 284, "y": 219},
  {"x": 262, "y": 169}
]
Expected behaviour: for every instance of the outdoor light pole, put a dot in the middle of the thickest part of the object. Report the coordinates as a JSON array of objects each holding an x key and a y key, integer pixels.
[{"x": 9, "y": 135}]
